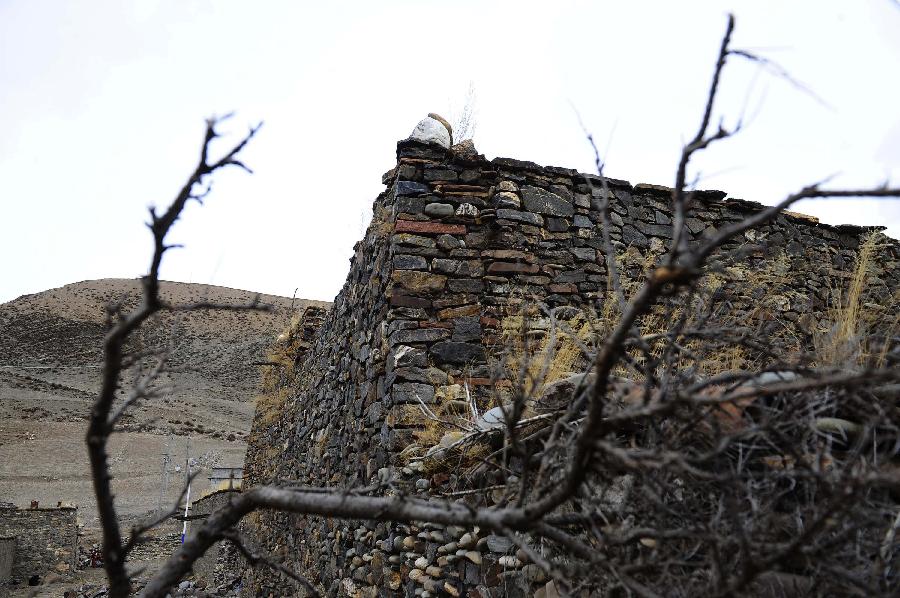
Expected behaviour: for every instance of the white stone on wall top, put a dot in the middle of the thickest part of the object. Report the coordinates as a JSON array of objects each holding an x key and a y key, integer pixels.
[{"x": 431, "y": 130}]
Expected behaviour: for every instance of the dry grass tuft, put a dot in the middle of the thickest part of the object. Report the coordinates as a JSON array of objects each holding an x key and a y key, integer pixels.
[{"x": 860, "y": 330}]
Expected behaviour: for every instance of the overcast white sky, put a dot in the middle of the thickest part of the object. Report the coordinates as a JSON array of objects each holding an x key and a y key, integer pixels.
[{"x": 102, "y": 106}]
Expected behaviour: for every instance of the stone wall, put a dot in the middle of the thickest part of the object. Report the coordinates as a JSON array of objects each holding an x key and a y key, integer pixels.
[
  {"x": 46, "y": 541},
  {"x": 221, "y": 556},
  {"x": 456, "y": 243},
  {"x": 7, "y": 554}
]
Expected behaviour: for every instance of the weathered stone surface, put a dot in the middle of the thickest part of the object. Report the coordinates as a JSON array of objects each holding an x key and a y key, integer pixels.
[
  {"x": 46, "y": 541},
  {"x": 457, "y": 353},
  {"x": 419, "y": 282},
  {"x": 440, "y": 174},
  {"x": 431, "y": 376},
  {"x": 439, "y": 210},
  {"x": 406, "y": 356},
  {"x": 584, "y": 253},
  {"x": 458, "y": 267},
  {"x": 412, "y": 188},
  {"x": 429, "y": 228},
  {"x": 518, "y": 216},
  {"x": 544, "y": 202},
  {"x": 448, "y": 242},
  {"x": 412, "y": 392},
  {"x": 423, "y": 335},
  {"x": 430, "y": 130},
  {"x": 580, "y": 221},
  {"x": 512, "y": 267},
  {"x": 410, "y": 262},
  {"x": 413, "y": 240},
  {"x": 459, "y": 312},
  {"x": 466, "y": 329},
  {"x": 507, "y": 199},
  {"x": 557, "y": 225},
  {"x": 420, "y": 317}
]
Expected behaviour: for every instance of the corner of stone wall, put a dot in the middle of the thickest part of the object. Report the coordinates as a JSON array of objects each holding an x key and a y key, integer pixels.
[{"x": 456, "y": 240}]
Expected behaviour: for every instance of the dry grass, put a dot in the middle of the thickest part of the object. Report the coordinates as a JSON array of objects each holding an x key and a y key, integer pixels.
[{"x": 859, "y": 326}]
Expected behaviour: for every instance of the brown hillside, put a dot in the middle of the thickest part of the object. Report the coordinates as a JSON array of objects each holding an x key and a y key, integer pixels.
[{"x": 50, "y": 355}]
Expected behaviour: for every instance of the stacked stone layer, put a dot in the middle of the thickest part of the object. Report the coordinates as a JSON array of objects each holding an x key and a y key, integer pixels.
[
  {"x": 46, "y": 541},
  {"x": 455, "y": 239}
]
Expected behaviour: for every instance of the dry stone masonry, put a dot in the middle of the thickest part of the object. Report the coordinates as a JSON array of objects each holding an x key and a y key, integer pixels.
[
  {"x": 455, "y": 241},
  {"x": 44, "y": 541}
]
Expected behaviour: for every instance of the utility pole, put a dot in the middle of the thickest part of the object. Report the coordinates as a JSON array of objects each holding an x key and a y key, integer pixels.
[{"x": 187, "y": 481}]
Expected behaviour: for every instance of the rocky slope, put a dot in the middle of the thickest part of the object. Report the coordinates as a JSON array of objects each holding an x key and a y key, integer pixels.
[{"x": 50, "y": 356}]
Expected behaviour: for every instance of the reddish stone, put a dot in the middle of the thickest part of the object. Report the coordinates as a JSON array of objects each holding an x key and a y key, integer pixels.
[
  {"x": 429, "y": 228},
  {"x": 500, "y": 267},
  {"x": 564, "y": 287},
  {"x": 490, "y": 322}
]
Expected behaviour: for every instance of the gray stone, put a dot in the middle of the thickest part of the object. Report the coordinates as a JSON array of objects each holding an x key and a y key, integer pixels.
[
  {"x": 557, "y": 225},
  {"x": 507, "y": 199},
  {"x": 544, "y": 202},
  {"x": 465, "y": 285},
  {"x": 411, "y": 188},
  {"x": 445, "y": 266},
  {"x": 457, "y": 353},
  {"x": 466, "y": 329},
  {"x": 527, "y": 217},
  {"x": 581, "y": 221},
  {"x": 421, "y": 374},
  {"x": 418, "y": 335},
  {"x": 571, "y": 276},
  {"x": 440, "y": 174},
  {"x": 439, "y": 210},
  {"x": 656, "y": 230},
  {"x": 584, "y": 253},
  {"x": 413, "y": 240},
  {"x": 448, "y": 242},
  {"x": 410, "y": 262},
  {"x": 411, "y": 204},
  {"x": 412, "y": 392},
  {"x": 632, "y": 236},
  {"x": 498, "y": 544},
  {"x": 616, "y": 219}
]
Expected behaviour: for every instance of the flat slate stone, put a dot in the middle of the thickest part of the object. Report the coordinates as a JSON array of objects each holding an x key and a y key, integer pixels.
[
  {"x": 544, "y": 202},
  {"x": 516, "y": 215},
  {"x": 418, "y": 335},
  {"x": 411, "y": 188},
  {"x": 412, "y": 392},
  {"x": 457, "y": 353}
]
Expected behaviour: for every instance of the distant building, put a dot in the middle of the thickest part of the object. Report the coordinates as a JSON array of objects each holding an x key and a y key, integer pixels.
[
  {"x": 225, "y": 478},
  {"x": 37, "y": 541}
]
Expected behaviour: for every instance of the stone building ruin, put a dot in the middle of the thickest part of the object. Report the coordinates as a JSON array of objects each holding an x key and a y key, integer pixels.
[
  {"x": 456, "y": 241},
  {"x": 36, "y": 542}
]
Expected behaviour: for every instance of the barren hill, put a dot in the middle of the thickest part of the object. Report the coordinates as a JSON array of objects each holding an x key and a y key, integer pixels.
[{"x": 50, "y": 355}]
